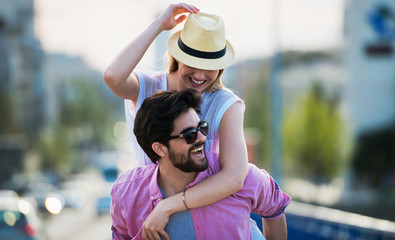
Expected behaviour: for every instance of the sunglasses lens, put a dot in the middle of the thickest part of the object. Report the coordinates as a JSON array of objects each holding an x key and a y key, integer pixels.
[
  {"x": 204, "y": 128},
  {"x": 190, "y": 136}
]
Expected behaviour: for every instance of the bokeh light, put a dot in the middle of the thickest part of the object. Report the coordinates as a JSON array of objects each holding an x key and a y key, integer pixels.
[
  {"x": 54, "y": 205},
  {"x": 121, "y": 131}
]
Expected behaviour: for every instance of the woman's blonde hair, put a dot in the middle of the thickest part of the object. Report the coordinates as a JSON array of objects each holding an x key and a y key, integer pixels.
[{"x": 216, "y": 85}]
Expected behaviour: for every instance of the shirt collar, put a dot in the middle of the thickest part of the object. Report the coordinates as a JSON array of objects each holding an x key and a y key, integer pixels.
[{"x": 153, "y": 184}]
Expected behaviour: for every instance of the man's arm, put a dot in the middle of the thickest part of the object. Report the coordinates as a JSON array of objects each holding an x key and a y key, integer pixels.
[
  {"x": 268, "y": 201},
  {"x": 275, "y": 229},
  {"x": 118, "y": 228}
]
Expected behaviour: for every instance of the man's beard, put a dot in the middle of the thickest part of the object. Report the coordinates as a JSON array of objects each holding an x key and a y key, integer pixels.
[{"x": 185, "y": 162}]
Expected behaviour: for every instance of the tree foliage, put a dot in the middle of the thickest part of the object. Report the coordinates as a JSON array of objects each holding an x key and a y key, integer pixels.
[
  {"x": 315, "y": 143},
  {"x": 257, "y": 113},
  {"x": 373, "y": 158},
  {"x": 85, "y": 109},
  {"x": 85, "y": 121},
  {"x": 314, "y": 136},
  {"x": 7, "y": 123}
]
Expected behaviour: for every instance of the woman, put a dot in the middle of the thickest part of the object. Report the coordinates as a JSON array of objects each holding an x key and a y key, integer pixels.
[{"x": 198, "y": 56}]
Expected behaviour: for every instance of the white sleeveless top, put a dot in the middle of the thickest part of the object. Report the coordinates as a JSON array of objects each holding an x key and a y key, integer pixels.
[{"x": 214, "y": 105}]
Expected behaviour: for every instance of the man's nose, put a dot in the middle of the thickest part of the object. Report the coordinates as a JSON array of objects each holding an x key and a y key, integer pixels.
[{"x": 200, "y": 137}]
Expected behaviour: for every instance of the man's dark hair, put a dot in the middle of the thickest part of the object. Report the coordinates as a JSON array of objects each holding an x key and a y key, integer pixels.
[{"x": 155, "y": 119}]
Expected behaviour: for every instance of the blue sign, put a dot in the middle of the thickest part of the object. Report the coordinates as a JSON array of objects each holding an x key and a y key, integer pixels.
[{"x": 382, "y": 21}]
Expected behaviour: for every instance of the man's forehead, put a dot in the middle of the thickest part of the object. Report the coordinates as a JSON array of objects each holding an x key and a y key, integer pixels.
[{"x": 186, "y": 120}]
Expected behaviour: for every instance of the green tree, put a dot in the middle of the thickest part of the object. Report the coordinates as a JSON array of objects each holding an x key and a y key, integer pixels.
[
  {"x": 86, "y": 110},
  {"x": 7, "y": 123},
  {"x": 85, "y": 121},
  {"x": 56, "y": 148},
  {"x": 314, "y": 136},
  {"x": 257, "y": 113},
  {"x": 373, "y": 159}
]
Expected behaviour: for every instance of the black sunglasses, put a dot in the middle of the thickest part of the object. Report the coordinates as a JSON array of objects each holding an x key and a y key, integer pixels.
[{"x": 191, "y": 134}]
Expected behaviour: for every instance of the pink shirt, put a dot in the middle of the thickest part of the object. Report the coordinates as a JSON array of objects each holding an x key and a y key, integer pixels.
[{"x": 136, "y": 193}]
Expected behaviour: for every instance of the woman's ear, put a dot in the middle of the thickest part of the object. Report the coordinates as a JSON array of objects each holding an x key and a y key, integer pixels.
[{"x": 159, "y": 149}]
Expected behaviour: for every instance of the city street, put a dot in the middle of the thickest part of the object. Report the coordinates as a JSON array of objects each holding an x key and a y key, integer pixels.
[
  {"x": 86, "y": 222},
  {"x": 78, "y": 224}
]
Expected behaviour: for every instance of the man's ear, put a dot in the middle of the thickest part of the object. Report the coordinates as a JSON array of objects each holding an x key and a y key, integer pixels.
[{"x": 159, "y": 149}]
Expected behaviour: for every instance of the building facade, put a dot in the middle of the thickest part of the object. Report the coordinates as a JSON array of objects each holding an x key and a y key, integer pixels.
[{"x": 370, "y": 63}]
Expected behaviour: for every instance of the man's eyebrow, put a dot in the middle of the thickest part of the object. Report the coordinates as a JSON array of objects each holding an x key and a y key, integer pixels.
[
  {"x": 189, "y": 128},
  {"x": 186, "y": 129}
]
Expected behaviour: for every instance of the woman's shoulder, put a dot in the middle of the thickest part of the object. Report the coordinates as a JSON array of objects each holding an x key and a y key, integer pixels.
[
  {"x": 223, "y": 92},
  {"x": 150, "y": 82},
  {"x": 149, "y": 74},
  {"x": 223, "y": 96}
]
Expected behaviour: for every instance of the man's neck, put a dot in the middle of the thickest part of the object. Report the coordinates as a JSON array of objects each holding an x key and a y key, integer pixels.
[{"x": 172, "y": 180}]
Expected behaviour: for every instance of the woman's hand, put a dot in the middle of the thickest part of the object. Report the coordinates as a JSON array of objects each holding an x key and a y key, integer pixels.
[
  {"x": 169, "y": 18},
  {"x": 155, "y": 223}
]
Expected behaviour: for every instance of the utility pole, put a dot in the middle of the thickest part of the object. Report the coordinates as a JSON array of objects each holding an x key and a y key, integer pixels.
[{"x": 276, "y": 98}]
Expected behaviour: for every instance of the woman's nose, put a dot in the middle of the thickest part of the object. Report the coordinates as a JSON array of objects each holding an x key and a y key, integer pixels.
[{"x": 199, "y": 75}]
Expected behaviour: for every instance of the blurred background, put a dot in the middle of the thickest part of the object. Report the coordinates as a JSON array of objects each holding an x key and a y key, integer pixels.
[{"x": 317, "y": 77}]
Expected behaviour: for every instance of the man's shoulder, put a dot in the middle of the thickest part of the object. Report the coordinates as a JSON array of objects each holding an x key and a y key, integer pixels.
[
  {"x": 135, "y": 177},
  {"x": 130, "y": 199},
  {"x": 259, "y": 180},
  {"x": 256, "y": 174}
]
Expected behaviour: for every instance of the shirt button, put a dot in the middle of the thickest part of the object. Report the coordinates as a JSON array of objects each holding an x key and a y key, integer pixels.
[{"x": 152, "y": 197}]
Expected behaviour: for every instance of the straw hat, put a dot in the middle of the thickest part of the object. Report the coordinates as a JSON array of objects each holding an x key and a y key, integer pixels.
[{"x": 202, "y": 44}]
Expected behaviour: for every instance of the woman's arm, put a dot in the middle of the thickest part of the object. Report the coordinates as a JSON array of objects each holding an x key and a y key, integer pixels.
[
  {"x": 118, "y": 75},
  {"x": 233, "y": 159}
]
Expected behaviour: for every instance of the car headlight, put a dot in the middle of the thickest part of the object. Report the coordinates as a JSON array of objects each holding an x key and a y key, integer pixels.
[{"x": 54, "y": 204}]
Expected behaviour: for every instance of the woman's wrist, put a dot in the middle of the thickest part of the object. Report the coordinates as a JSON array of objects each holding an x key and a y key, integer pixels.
[
  {"x": 166, "y": 206},
  {"x": 172, "y": 204},
  {"x": 158, "y": 25}
]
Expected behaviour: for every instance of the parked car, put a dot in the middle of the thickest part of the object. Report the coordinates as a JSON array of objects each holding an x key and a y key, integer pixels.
[
  {"x": 103, "y": 200},
  {"x": 75, "y": 193},
  {"x": 18, "y": 218},
  {"x": 47, "y": 197}
]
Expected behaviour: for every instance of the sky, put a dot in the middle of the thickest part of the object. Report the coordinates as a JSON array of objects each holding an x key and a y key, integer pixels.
[{"x": 96, "y": 30}]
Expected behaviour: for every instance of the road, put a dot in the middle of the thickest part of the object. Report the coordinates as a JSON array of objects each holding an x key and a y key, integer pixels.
[
  {"x": 81, "y": 224},
  {"x": 78, "y": 225}
]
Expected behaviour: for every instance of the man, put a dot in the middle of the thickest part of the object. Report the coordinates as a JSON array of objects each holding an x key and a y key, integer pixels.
[{"x": 169, "y": 130}]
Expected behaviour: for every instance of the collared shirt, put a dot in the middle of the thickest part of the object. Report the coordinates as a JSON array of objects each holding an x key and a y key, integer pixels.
[{"x": 136, "y": 193}]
